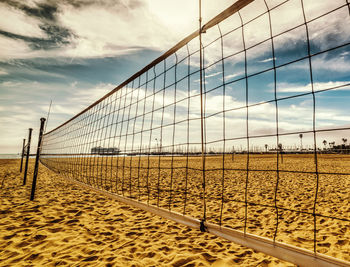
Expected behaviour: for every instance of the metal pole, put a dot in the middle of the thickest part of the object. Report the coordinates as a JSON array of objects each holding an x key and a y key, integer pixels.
[
  {"x": 202, "y": 116},
  {"x": 24, "y": 143},
  {"x": 27, "y": 156},
  {"x": 48, "y": 115},
  {"x": 36, "y": 167}
]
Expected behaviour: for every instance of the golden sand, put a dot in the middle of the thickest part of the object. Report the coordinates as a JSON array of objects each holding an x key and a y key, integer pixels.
[
  {"x": 295, "y": 195},
  {"x": 67, "y": 225}
]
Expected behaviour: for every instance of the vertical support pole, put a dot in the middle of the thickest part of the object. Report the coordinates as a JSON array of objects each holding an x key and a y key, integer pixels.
[
  {"x": 27, "y": 156},
  {"x": 202, "y": 228},
  {"x": 24, "y": 143},
  {"x": 36, "y": 167}
]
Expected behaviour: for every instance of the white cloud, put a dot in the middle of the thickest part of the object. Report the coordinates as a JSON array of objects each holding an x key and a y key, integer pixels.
[
  {"x": 261, "y": 117},
  {"x": 181, "y": 16},
  {"x": 336, "y": 64},
  {"x": 32, "y": 3},
  {"x": 3, "y": 72},
  {"x": 19, "y": 49},
  {"x": 213, "y": 74},
  {"x": 267, "y": 60},
  {"x": 11, "y": 48},
  {"x": 104, "y": 31},
  {"x": 230, "y": 76},
  {"x": 10, "y": 84},
  {"x": 117, "y": 28},
  {"x": 15, "y": 21},
  {"x": 297, "y": 88},
  {"x": 66, "y": 109},
  {"x": 89, "y": 95}
]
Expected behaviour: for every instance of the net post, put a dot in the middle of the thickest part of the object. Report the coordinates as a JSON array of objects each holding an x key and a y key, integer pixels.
[
  {"x": 202, "y": 111},
  {"x": 27, "y": 156},
  {"x": 36, "y": 167},
  {"x": 22, "y": 155}
]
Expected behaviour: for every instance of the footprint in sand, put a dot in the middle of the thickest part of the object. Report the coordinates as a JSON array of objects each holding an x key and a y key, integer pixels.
[
  {"x": 55, "y": 221},
  {"x": 70, "y": 222},
  {"x": 40, "y": 237},
  {"x": 7, "y": 237},
  {"x": 55, "y": 230},
  {"x": 22, "y": 244},
  {"x": 92, "y": 258}
]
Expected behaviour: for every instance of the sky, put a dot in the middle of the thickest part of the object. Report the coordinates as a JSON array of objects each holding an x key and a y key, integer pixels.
[{"x": 74, "y": 52}]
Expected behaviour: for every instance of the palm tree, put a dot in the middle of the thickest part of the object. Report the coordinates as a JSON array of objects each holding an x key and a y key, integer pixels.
[
  {"x": 325, "y": 144},
  {"x": 301, "y": 141},
  {"x": 344, "y": 146},
  {"x": 159, "y": 145}
]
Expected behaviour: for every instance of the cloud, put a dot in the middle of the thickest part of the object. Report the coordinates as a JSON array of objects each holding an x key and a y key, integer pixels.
[
  {"x": 107, "y": 28},
  {"x": 10, "y": 84},
  {"x": 105, "y": 31},
  {"x": 234, "y": 75},
  {"x": 67, "y": 109},
  {"x": 86, "y": 29},
  {"x": 329, "y": 31},
  {"x": 23, "y": 104},
  {"x": 11, "y": 48},
  {"x": 89, "y": 95},
  {"x": 18, "y": 23},
  {"x": 336, "y": 64},
  {"x": 267, "y": 60},
  {"x": 297, "y": 88},
  {"x": 3, "y": 72},
  {"x": 213, "y": 74}
]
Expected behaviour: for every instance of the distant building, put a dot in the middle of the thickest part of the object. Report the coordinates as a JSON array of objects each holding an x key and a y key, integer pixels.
[{"x": 105, "y": 150}]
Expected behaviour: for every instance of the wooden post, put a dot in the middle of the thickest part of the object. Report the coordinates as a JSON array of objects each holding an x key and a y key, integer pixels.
[
  {"x": 27, "y": 156},
  {"x": 24, "y": 143},
  {"x": 36, "y": 167}
]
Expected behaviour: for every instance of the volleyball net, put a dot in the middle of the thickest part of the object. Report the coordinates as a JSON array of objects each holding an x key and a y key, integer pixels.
[{"x": 259, "y": 153}]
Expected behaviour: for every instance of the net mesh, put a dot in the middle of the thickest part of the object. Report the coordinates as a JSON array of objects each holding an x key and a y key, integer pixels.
[{"x": 276, "y": 160}]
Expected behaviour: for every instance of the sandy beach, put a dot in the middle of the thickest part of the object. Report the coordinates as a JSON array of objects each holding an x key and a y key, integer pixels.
[
  {"x": 67, "y": 225},
  {"x": 167, "y": 182}
]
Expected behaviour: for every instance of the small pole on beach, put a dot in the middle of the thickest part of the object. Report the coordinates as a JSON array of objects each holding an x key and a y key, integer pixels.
[
  {"x": 280, "y": 150},
  {"x": 36, "y": 167},
  {"x": 48, "y": 115},
  {"x": 27, "y": 156},
  {"x": 24, "y": 143}
]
